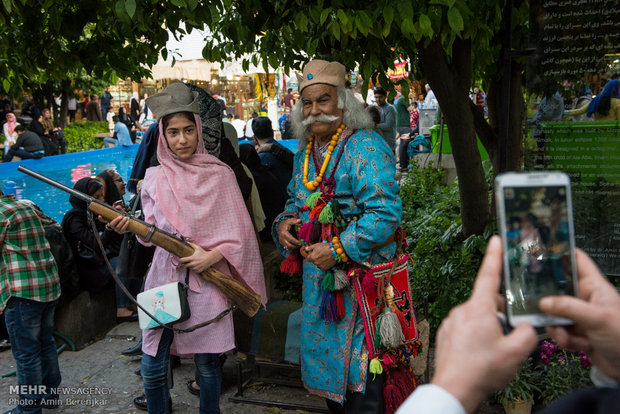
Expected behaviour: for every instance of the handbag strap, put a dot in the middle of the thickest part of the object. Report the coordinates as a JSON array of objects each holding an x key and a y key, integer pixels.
[{"x": 133, "y": 300}]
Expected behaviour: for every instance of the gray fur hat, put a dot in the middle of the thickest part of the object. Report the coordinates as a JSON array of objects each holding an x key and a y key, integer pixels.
[{"x": 177, "y": 97}]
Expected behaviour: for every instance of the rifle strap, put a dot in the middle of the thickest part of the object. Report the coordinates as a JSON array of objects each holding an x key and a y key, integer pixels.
[{"x": 133, "y": 300}]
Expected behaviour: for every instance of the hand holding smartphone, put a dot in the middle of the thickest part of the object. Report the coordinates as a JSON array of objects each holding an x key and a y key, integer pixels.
[{"x": 535, "y": 221}]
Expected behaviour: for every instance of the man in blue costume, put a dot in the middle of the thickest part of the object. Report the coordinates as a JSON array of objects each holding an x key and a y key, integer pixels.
[{"x": 346, "y": 165}]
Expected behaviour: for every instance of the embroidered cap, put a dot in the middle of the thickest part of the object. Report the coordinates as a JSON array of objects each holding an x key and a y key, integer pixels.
[
  {"x": 177, "y": 97},
  {"x": 322, "y": 71}
]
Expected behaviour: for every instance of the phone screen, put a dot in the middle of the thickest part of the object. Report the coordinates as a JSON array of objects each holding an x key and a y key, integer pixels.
[{"x": 538, "y": 244}]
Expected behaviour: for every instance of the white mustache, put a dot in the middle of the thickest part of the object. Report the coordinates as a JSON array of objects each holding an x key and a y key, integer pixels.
[{"x": 321, "y": 118}]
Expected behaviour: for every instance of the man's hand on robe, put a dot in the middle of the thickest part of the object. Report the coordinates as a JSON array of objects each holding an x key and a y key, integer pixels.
[{"x": 320, "y": 255}]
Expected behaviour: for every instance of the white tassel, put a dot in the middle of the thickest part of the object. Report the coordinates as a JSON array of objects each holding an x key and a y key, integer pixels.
[
  {"x": 391, "y": 334},
  {"x": 340, "y": 279}
]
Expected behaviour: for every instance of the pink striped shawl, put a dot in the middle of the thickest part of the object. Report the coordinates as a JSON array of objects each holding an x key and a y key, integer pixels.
[{"x": 201, "y": 199}]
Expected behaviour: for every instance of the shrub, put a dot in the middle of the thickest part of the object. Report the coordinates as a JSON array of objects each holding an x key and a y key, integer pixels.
[
  {"x": 80, "y": 136},
  {"x": 444, "y": 262}
]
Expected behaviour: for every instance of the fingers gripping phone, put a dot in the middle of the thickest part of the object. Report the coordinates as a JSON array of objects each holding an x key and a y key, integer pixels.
[{"x": 535, "y": 221}]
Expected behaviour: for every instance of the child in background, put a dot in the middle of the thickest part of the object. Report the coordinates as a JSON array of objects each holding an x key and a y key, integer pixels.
[{"x": 108, "y": 118}]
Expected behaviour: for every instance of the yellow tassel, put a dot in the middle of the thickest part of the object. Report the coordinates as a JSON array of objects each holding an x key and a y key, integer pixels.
[{"x": 375, "y": 367}]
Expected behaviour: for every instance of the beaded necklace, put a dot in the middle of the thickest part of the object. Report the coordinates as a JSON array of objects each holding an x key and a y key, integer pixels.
[{"x": 312, "y": 185}]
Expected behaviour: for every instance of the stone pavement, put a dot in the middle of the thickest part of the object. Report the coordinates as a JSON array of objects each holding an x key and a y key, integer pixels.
[{"x": 110, "y": 379}]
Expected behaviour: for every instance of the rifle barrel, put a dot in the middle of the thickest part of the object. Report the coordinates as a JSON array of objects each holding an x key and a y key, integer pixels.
[{"x": 54, "y": 183}]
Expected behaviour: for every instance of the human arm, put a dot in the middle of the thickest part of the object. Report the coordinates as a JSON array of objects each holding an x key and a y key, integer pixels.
[
  {"x": 19, "y": 142},
  {"x": 470, "y": 340},
  {"x": 370, "y": 167},
  {"x": 594, "y": 312},
  {"x": 577, "y": 111},
  {"x": 280, "y": 152},
  {"x": 201, "y": 259}
]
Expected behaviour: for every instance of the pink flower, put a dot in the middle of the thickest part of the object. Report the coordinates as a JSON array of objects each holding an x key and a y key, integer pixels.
[{"x": 584, "y": 360}]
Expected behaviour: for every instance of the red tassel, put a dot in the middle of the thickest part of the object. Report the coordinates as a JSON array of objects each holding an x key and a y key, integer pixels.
[
  {"x": 291, "y": 265},
  {"x": 316, "y": 212},
  {"x": 304, "y": 232},
  {"x": 369, "y": 283},
  {"x": 315, "y": 234},
  {"x": 400, "y": 382},
  {"x": 339, "y": 305}
]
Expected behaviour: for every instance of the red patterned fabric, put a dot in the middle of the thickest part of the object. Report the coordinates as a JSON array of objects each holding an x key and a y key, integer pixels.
[{"x": 394, "y": 273}]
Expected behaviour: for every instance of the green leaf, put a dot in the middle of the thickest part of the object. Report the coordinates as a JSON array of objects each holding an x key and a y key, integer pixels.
[
  {"x": 455, "y": 20},
  {"x": 119, "y": 10},
  {"x": 406, "y": 26},
  {"x": 335, "y": 28},
  {"x": 130, "y": 7},
  {"x": 388, "y": 15},
  {"x": 192, "y": 4},
  {"x": 342, "y": 16},
  {"x": 6, "y": 84},
  {"x": 324, "y": 15},
  {"x": 7, "y": 5},
  {"x": 425, "y": 25},
  {"x": 178, "y": 3}
]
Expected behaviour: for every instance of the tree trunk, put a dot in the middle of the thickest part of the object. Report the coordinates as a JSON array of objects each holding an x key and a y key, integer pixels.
[
  {"x": 450, "y": 81},
  {"x": 61, "y": 121},
  {"x": 514, "y": 152}
]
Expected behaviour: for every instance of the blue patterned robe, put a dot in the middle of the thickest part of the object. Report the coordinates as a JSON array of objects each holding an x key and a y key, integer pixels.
[{"x": 333, "y": 355}]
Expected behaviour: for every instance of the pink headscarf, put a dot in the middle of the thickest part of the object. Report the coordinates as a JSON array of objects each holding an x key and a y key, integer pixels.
[
  {"x": 11, "y": 121},
  {"x": 200, "y": 197}
]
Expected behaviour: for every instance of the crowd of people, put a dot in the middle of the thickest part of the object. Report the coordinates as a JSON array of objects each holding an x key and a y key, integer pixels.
[{"x": 332, "y": 209}]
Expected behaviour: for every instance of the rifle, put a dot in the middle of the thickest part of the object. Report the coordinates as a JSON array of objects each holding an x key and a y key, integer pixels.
[{"x": 242, "y": 295}]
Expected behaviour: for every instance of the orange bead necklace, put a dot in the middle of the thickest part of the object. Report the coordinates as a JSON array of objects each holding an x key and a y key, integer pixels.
[{"x": 313, "y": 185}]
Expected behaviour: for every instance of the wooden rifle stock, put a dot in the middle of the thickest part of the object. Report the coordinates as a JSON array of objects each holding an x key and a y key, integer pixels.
[{"x": 241, "y": 294}]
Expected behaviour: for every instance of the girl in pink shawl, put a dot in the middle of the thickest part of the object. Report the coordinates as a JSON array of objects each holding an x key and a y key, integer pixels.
[
  {"x": 194, "y": 195},
  {"x": 9, "y": 131}
]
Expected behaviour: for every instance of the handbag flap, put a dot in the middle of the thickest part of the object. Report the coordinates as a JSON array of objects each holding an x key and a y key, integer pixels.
[{"x": 163, "y": 302}]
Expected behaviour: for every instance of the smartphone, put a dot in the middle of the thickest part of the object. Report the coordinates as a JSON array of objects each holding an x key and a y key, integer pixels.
[{"x": 535, "y": 221}]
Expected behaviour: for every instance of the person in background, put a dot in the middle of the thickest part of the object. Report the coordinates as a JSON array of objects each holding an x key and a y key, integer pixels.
[
  {"x": 284, "y": 123},
  {"x": 129, "y": 121},
  {"x": 110, "y": 119},
  {"x": 93, "y": 112},
  {"x": 121, "y": 135},
  {"x": 72, "y": 105},
  {"x": 272, "y": 192},
  {"x": 36, "y": 126},
  {"x": 29, "y": 292},
  {"x": 249, "y": 134},
  {"x": 403, "y": 116},
  {"x": 10, "y": 136},
  {"x": 55, "y": 134},
  {"x": 405, "y": 139},
  {"x": 239, "y": 126},
  {"x": 288, "y": 100},
  {"x": 28, "y": 145},
  {"x": 134, "y": 106},
  {"x": 273, "y": 155},
  {"x": 430, "y": 100},
  {"x": 550, "y": 108},
  {"x": 388, "y": 117},
  {"x": 77, "y": 227},
  {"x": 604, "y": 107},
  {"x": 106, "y": 102},
  {"x": 479, "y": 99}
]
